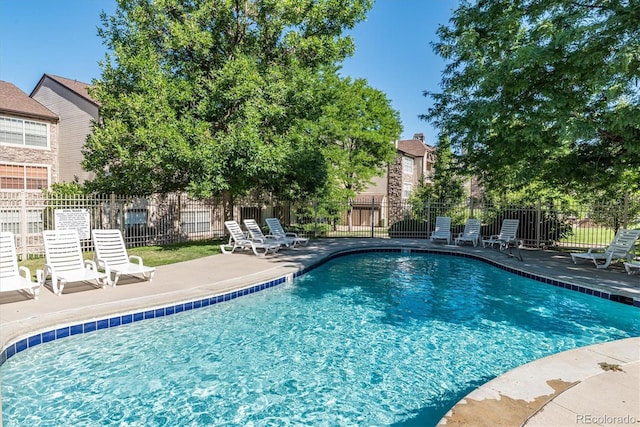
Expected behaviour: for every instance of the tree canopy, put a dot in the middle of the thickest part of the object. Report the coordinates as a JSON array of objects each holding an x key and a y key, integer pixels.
[
  {"x": 543, "y": 90},
  {"x": 216, "y": 97},
  {"x": 357, "y": 127}
]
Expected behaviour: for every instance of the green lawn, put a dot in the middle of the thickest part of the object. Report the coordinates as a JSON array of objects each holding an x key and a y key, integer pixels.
[{"x": 590, "y": 236}]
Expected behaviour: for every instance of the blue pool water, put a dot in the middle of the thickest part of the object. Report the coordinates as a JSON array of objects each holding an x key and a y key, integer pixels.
[{"x": 370, "y": 339}]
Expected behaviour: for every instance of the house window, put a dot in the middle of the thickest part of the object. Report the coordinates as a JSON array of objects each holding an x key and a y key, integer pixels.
[
  {"x": 23, "y": 177},
  {"x": 133, "y": 217},
  {"x": 196, "y": 221},
  {"x": 406, "y": 190},
  {"x": 10, "y": 221},
  {"x": 407, "y": 165},
  {"x": 23, "y": 132}
]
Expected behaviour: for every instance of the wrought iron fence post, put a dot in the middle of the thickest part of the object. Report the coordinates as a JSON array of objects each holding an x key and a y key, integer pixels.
[
  {"x": 373, "y": 201},
  {"x": 625, "y": 210},
  {"x": 429, "y": 215},
  {"x": 23, "y": 225},
  {"x": 179, "y": 216},
  {"x": 538, "y": 222},
  {"x": 112, "y": 211},
  {"x": 315, "y": 218}
]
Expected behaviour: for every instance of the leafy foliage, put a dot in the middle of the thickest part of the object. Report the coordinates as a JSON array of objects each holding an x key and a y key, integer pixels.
[
  {"x": 215, "y": 97},
  {"x": 542, "y": 90},
  {"x": 64, "y": 189},
  {"x": 357, "y": 127},
  {"x": 614, "y": 209},
  {"x": 409, "y": 228},
  {"x": 447, "y": 188}
]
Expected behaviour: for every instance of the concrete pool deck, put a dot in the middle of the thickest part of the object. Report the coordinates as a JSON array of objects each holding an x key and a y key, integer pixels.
[{"x": 595, "y": 385}]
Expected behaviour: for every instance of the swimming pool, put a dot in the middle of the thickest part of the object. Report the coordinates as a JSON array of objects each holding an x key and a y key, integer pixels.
[{"x": 370, "y": 339}]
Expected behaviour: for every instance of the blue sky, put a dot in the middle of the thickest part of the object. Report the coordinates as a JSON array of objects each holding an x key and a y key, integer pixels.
[{"x": 393, "y": 50}]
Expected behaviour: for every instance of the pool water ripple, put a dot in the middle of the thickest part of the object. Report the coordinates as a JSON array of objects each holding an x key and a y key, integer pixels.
[{"x": 368, "y": 339}]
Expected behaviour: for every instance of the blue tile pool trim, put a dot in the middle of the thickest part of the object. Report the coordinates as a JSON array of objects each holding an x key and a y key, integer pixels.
[{"x": 125, "y": 319}]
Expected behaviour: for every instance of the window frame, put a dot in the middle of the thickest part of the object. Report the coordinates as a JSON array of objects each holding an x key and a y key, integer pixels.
[
  {"x": 24, "y": 134},
  {"x": 35, "y": 221},
  {"x": 406, "y": 193},
  {"x": 136, "y": 217},
  {"x": 43, "y": 177},
  {"x": 196, "y": 221},
  {"x": 405, "y": 165}
]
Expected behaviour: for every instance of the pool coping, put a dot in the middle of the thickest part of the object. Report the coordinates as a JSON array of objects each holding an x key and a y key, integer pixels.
[{"x": 30, "y": 338}]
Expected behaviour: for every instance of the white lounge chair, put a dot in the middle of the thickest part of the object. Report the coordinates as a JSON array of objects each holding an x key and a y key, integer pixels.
[
  {"x": 622, "y": 246},
  {"x": 237, "y": 240},
  {"x": 471, "y": 232},
  {"x": 64, "y": 261},
  {"x": 507, "y": 235},
  {"x": 632, "y": 267},
  {"x": 442, "y": 230},
  {"x": 255, "y": 232},
  {"x": 111, "y": 255},
  {"x": 275, "y": 229},
  {"x": 12, "y": 277}
]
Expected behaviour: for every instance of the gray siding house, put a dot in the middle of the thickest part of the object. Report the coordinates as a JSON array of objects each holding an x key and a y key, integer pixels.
[{"x": 71, "y": 102}]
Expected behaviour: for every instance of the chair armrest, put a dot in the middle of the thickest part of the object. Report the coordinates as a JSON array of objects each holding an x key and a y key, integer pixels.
[
  {"x": 25, "y": 272},
  {"x": 291, "y": 234},
  {"x": 91, "y": 265},
  {"x": 47, "y": 271},
  {"x": 135, "y": 259},
  {"x": 100, "y": 263}
]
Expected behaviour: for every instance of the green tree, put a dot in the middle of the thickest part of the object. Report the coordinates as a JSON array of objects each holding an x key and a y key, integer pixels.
[
  {"x": 447, "y": 189},
  {"x": 616, "y": 208},
  {"x": 542, "y": 90},
  {"x": 211, "y": 97},
  {"x": 447, "y": 181},
  {"x": 357, "y": 128}
]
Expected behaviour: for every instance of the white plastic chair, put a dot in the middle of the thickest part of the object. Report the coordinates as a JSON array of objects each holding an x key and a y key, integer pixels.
[
  {"x": 275, "y": 229},
  {"x": 507, "y": 235},
  {"x": 471, "y": 232},
  {"x": 255, "y": 232},
  {"x": 12, "y": 277},
  {"x": 64, "y": 261},
  {"x": 111, "y": 255},
  {"x": 442, "y": 230},
  {"x": 632, "y": 267},
  {"x": 237, "y": 240},
  {"x": 622, "y": 246}
]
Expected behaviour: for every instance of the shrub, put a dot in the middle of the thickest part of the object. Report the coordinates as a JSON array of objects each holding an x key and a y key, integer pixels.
[
  {"x": 310, "y": 229},
  {"x": 409, "y": 229}
]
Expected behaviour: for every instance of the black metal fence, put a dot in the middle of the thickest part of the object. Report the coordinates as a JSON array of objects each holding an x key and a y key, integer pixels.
[{"x": 175, "y": 218}]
